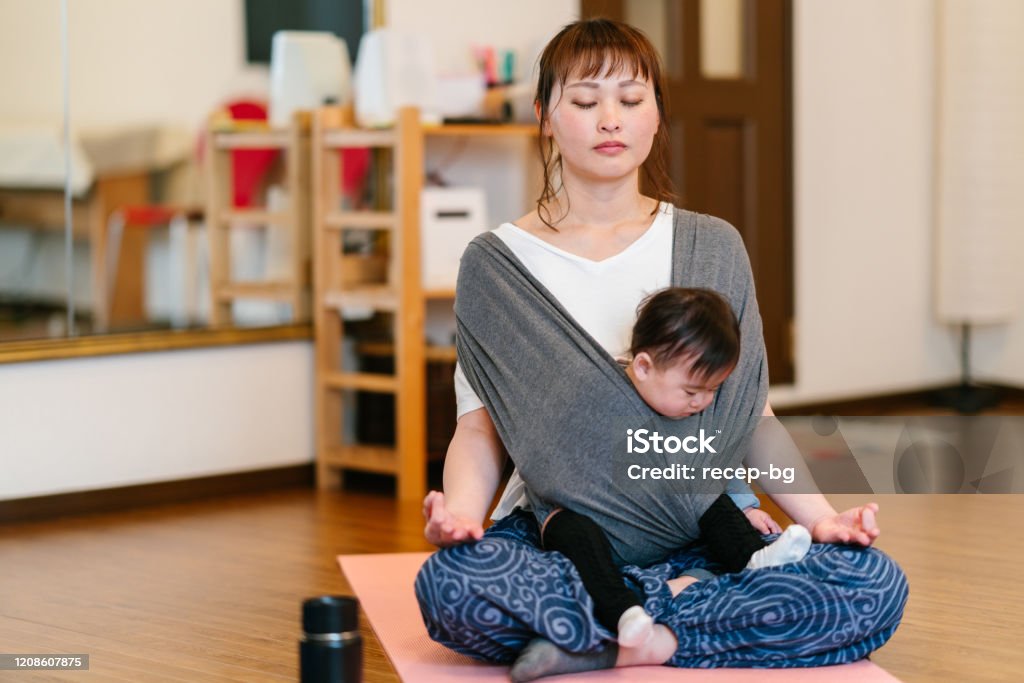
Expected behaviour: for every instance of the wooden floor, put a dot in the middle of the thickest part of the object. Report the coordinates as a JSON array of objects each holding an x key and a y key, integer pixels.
[
  {"x": 211, "y": 591},
  {"x": 194, "y": 592}
]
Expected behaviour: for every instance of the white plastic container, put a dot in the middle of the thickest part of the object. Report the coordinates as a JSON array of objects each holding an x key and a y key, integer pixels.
[
  {"x": 394, "y": 70},
  {"x": 307, "y": 69}
]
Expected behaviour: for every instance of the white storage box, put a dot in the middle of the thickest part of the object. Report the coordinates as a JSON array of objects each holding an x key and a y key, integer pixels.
[
  {"x": 450, "y": 217},
  {"x": 307, "y": 68}
]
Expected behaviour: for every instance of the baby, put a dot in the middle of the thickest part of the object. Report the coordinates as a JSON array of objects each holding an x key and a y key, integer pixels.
[{"x": 685, "y": 343}]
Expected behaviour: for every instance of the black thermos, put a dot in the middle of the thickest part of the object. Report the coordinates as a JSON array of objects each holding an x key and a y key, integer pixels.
[{"x": 331, "y": 650}]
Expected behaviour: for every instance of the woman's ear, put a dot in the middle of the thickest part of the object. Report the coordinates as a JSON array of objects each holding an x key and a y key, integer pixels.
[{"x": 546, "y": 128}]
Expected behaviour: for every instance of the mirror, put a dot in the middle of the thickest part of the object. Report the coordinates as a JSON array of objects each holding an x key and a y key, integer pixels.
[{"x": 146, "y": 81}]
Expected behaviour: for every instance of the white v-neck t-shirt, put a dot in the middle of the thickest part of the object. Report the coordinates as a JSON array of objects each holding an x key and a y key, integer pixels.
[{"x": 602, "y": 296}]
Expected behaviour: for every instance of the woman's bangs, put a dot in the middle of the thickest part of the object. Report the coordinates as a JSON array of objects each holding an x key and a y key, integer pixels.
[{"x": 601, "y": 61}]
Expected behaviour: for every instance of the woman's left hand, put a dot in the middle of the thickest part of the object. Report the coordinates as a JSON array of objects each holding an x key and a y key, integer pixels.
[{"x": 856, "y": 525}]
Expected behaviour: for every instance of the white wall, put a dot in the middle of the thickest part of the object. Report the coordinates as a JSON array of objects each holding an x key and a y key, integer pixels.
[
  {"x": 863, "y": 127},
  {"x": 75, "y": 425},
  {"x": 132, "y": 61}
]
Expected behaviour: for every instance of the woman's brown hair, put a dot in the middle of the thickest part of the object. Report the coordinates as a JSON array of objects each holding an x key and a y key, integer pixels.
[{"x": 589, "y": 49}]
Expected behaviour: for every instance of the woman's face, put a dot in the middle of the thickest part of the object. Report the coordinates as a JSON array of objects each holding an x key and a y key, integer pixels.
[{"x": 604, "y": 126}]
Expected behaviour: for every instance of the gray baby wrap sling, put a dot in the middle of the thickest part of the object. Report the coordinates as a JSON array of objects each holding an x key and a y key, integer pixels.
[{"x": 560, "y": 402}]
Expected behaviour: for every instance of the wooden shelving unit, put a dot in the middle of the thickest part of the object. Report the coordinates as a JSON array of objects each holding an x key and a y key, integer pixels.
[
  {"x": 339, "y": 283},
  {"x": 221, "y": 140}
]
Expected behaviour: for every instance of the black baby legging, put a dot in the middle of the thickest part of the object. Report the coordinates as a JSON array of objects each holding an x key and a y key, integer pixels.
[{"x": 729, "y": 536}]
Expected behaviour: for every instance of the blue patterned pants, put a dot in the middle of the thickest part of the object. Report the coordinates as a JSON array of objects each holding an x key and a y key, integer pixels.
[{"x": 490, "y": 598}]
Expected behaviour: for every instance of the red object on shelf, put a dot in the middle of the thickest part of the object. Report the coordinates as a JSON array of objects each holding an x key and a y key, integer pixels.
[{"x": 249, "y": 166}]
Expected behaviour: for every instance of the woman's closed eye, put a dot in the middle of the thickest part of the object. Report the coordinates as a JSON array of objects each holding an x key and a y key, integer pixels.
[{"x": 625, "y": 103}]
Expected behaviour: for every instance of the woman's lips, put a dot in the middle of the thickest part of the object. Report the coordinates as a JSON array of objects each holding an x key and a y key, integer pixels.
[{"x": 610, "y": 147}]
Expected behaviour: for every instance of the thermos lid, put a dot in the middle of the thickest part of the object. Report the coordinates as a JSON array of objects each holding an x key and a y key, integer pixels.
[{"x": 330, "y": 614}]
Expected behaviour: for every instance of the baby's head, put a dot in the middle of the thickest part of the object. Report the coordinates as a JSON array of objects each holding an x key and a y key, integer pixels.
[{"x": 685, "y": 343}]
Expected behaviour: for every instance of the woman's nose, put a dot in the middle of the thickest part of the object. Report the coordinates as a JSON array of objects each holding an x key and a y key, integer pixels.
[{"x": 610, "y": 121}]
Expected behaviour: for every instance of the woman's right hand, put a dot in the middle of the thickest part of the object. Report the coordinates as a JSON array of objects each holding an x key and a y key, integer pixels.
[
  {"x": 856, "y": 525},
  {"x": 444, "y": 528}
]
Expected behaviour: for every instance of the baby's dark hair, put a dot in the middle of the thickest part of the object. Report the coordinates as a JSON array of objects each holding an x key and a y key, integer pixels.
[{"x": 682, "y": 322}]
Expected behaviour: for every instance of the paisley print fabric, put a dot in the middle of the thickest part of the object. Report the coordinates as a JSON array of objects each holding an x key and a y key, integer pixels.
[{"x": 490, "y": 598}]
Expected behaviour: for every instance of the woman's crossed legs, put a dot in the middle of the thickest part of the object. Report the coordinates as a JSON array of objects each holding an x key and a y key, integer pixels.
[{"x": 489, "y": 599}]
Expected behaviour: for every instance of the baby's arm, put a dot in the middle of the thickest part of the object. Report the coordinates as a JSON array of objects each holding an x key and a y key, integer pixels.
[
  {"x": 762, "y": 521},
  {"x": 472, "y": 471}
]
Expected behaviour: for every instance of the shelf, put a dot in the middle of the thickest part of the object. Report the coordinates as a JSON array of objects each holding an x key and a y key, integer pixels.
[
  {"x": 389, "y": 280},
  {"x": 365, "y": 381},
  {"x": 381, "y": 459},
  {"x": 254, "y": 217},
  {"x": 437, "y": 354},
  {"x": 291, "y": 225},
  {"x": 283, "y": 291},
  {"x": 482, "y": 130},
  {"x": 359, "y": 137},
  {"x": 268, "y": 139},
  {"x": 361, "y": 220},
  {"x": 444, "y": 354},
  {"x": 377, "y": 298}
]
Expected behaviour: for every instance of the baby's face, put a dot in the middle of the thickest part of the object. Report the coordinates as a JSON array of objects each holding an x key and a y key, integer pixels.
[{"x": 676, "y": 391}]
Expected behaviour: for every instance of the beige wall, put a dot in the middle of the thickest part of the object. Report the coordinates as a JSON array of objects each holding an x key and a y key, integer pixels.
[
  {"x": 863, "y": 129},
  {"x": 132, "y": 61}
]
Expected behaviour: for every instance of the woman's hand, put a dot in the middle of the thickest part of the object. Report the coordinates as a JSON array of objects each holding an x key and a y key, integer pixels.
[
  {"x": 856, "y": 525},
  {"x": 762, "y": 521},
  {"x": 444, "y": 528}
]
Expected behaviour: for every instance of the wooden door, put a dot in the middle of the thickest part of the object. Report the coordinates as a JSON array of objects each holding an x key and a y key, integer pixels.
[{"x": 729, "y": 100}]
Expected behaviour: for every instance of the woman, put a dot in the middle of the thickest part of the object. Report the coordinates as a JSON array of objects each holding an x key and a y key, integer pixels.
[{"x": 592, "y": 248}]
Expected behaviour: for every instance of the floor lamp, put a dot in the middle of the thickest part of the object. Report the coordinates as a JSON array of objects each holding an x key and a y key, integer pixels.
[{"x": 979, "y": 173}]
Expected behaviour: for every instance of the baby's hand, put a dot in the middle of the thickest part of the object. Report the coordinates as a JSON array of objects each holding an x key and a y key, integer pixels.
[{"x": 762, "y": 521}]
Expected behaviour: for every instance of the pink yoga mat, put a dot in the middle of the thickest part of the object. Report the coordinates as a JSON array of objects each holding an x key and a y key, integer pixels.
[{"x": 383, "y": 584}]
